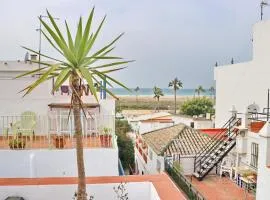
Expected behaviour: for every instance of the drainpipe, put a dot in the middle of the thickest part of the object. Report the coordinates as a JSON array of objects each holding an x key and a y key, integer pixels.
[
  {"x": 104, "y": 86},
  {"x": 100, "y": 90}
]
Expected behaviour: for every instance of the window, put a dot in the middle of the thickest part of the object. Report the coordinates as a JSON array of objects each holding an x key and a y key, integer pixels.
[{"x": 254, "y": 155}]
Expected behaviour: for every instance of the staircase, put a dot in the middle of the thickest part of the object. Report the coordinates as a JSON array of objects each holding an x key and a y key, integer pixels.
[{"x": 216, "y": 149}]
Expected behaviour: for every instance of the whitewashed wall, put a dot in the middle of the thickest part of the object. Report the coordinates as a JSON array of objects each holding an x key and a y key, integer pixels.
[
  {"x": 263, "y": 179},
  {"x": 151, "y": 166},
  {"x": 198, "y": 124},
  {"x": 145, "y": 127},
  {"x": 242, "y": 84},
  {"x": 12, "y": 102},
  {"x": 57, "y": 163},
  {"x": 141, "y": 191}
]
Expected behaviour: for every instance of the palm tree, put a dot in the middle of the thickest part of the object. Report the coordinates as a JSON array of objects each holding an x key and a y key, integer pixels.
[
  {"x": 137, "y": 89},
  {"x": 176, "y": 85},
  {"x": 157, "y": 94},
  {"x": 78, "y": 64},
  {"x": 212, "y": 91},
  {"x": 199, "y": 90}
]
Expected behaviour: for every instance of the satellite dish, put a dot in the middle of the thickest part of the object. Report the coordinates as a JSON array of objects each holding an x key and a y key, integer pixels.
[{"x": 26, "y": 57}]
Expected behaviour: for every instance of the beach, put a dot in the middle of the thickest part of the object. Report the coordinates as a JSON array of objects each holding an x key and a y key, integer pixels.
[{"x": 147, "y": 102}]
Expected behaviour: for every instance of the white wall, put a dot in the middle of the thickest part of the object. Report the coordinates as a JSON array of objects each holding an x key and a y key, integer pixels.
[
  {"x": 151, "y": 166},
  {"x": 145, "y": 127},
  {"x": 244, "y": 83},
  {"x": 263, "y": 177},
  {"x": 198, "y": 123},
  {"x": 141, "y": 191},
  {"x": 57, "y": 163},
  {"x": 13, "y": 103}
]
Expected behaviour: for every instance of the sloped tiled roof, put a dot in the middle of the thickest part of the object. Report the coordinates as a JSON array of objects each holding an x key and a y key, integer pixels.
[{"x": 178, "y": 139}]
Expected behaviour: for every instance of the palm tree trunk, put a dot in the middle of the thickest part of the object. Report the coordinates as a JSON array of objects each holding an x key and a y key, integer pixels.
[
  {"x": 174, "y": 101},
  {"x": 137, "y": 100},
  {"x": 158, "y": 104},
  {"x": 81, "y": 192}
]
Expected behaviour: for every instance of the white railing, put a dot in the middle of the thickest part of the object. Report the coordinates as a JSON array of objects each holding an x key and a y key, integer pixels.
[{"x": 48, "y": 130}]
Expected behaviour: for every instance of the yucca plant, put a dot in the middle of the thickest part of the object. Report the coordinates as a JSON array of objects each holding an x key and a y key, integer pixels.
[
  {"x": 176, "y": 84},
  {"x": 78, "y": 64}
]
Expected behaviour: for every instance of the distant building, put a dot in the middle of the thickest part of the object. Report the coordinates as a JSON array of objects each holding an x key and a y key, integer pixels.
[
  {"x": 178, "y": 143},
  {"x": 41, "y": 119}
]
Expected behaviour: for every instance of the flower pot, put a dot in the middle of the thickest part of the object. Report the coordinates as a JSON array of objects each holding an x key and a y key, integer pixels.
[
  {"x": 59, "y": 142},
  {"x": 17, "y": 144},
  {"x": 105, "y": 140}
]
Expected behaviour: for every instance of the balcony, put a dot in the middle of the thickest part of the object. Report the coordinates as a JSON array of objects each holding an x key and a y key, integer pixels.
[
  {"x": 55, "y": 132},
  {"x": 142, "y": 149}
]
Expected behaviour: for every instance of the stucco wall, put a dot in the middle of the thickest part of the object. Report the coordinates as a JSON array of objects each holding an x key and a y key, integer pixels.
[
  {"x": 57, "y": 163},
  {"x": 142, "y": 191},
  {"x": 242, "y": 84},
  {"x": 151, "y": 166}
]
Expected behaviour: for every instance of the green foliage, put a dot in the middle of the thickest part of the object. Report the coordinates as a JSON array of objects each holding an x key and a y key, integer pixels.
[
  {"x": 181, "y": 182},
  {"x": 79, "y": 59},
  {"x": 176, "y": 84},
  {"x": 125, "y": 144},
  {"x": 157, "y": 92},
  {"x": 197, "y": 106},
  {"x": 177, "y": 166},
  {"x": 17, "y": 143}
]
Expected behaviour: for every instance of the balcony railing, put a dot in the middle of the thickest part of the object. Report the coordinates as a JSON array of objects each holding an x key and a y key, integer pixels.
[
  {"x": 142, "y": 150},
  {"x": 55, "y": 131}
]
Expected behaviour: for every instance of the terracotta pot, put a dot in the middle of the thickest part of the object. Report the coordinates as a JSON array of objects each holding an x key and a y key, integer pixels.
[{"x": 59, "y": 142}]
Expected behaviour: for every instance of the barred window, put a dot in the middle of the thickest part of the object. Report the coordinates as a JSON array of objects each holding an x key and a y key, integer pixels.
[{"x": 254, "y": 155}]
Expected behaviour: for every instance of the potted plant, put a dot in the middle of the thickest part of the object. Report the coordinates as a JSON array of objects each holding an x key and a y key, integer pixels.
[
  {"x": 17, "y": 143},
  {"x": 59, "y": 142},
  {"x": 106, "y": 137}
]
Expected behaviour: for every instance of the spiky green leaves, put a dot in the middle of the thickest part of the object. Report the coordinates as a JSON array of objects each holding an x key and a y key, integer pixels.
[{"x": 77, "y": 56}]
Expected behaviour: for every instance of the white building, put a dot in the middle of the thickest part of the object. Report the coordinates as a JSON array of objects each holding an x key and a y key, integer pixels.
[
  {"x": 243, "y": 84},
  {"x": 178, "y": 143},
  {"x": 155, "y": 187},
  {"x": 41, "y": 121},
  {"x": 241, "y": 91}
]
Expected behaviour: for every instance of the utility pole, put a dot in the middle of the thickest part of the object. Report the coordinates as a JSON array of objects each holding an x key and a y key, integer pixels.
[
  {"x": 40, "y": 32},
  {"x": 263, "y": 4}
]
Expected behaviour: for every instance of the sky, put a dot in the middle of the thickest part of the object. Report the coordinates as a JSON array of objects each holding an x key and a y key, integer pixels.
[{"x": 168, "y": 39}]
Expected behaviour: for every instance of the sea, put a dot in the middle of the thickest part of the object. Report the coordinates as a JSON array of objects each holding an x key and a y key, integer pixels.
[{"x": 149, "y": 92}]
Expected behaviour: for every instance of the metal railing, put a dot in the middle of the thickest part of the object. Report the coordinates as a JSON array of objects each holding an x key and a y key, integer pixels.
[
  {"x": 56, "y": 131},
  {"x": 217, "y": 139},
  {"x": 182, "y": 182}
]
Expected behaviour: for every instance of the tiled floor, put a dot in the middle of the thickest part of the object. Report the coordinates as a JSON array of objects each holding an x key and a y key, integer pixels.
[
  {"x": 163, "y": 184},
  {"x": 215, "y": 188},
  {"x": 44, "y": 142}
]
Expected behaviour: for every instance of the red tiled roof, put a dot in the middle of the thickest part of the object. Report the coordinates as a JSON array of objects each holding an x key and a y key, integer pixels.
[
  {"x": 165, "y": 187},
  {"x": 212, "y": 131}
]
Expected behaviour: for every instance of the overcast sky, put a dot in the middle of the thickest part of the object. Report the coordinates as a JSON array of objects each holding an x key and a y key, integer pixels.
[{"x": 171, "y": 38}]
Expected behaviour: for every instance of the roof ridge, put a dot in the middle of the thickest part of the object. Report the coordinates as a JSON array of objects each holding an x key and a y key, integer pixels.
[{"x": 164, "y": 128}]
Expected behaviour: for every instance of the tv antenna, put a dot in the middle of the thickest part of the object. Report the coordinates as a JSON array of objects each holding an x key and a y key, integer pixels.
[
  {"x": 40, "y": 33},
  {"x": 263, "y": 4}
]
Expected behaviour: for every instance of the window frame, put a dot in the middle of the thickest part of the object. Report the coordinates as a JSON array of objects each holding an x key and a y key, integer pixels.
[{"x": 254, "y": 154}]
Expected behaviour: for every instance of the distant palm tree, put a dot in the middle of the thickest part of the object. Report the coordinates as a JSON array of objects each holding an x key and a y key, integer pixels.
[
  {"x": 199, "y": 90},
  {"x": 137, "y": 89},
  {"x": 157, "y": 94},
  {"x": 212, "y": 91},
  {"x": 176, "y": 85}
]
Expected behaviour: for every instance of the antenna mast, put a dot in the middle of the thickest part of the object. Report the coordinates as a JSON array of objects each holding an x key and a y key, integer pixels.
[{"x": 263, "y": 4}]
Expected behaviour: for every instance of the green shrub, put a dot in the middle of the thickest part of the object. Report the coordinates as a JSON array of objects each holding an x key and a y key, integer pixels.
[
  {"x": 17, "y": 144},
  {"x": 125, "y": 144},
  {"x": 197, "y": 106}
]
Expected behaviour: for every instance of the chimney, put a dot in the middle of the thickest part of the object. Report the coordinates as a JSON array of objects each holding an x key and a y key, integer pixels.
[{"x": 33, "y": 57}]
